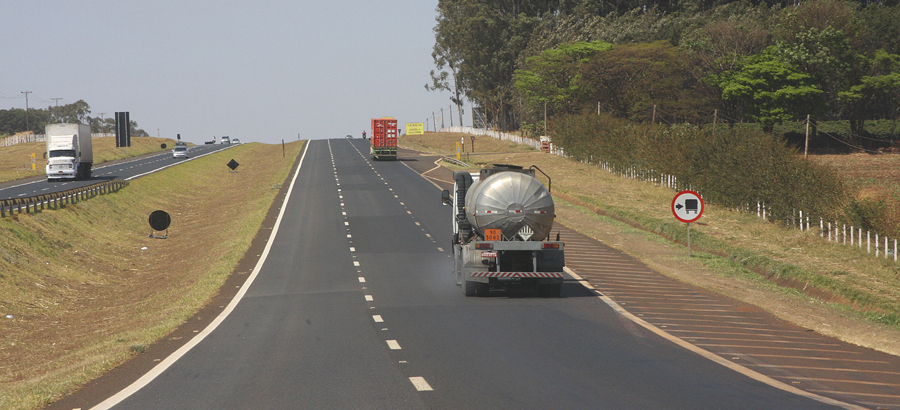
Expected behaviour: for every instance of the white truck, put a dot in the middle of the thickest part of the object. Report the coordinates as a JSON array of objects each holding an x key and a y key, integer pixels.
[
  {"x": 502, "y": 217},
  {"x": 69, "y": 151}
]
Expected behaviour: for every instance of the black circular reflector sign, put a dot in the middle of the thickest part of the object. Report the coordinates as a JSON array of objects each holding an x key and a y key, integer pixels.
[{"x": 160, "y": 220}]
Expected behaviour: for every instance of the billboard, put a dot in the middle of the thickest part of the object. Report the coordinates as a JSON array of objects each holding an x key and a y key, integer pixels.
[
  {"x": 415, "y": 128},
  {"x": 123, "y": 130}
]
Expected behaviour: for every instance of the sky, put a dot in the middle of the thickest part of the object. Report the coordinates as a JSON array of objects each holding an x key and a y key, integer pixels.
[{"x": 261, "y": 71}]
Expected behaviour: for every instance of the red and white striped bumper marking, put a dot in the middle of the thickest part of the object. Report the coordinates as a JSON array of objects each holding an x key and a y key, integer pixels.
[{"x": 517, "y": 275}]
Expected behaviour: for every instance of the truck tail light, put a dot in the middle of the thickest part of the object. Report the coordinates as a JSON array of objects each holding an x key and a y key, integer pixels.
[
  {"x": 551, "y": 245},
  {"x": 483, "y": 245}
]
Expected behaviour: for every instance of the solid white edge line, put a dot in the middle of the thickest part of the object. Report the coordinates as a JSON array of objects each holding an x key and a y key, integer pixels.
[
  {"x": 171, "y": 359},
  {"x": 709, "y": 355},
  {"x": 423, "y": 176},
  {"x": 179, "y": 162}
]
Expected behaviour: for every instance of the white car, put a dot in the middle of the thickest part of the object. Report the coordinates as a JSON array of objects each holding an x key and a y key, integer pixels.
[
  {"x": 235, "y": 141},
  {"x": 180, "y": 151}
]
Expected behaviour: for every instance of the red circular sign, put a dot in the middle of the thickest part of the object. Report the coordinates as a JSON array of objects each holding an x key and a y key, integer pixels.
[{"x": 687, "y": 206}]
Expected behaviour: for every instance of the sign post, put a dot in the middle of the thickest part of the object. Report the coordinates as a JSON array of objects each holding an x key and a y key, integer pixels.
[{"x": 687, "y": 206}]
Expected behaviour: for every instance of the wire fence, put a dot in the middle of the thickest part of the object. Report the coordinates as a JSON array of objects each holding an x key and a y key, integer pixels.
[
  {"x": 26, "y": 138},
  {"x": 495, "y": 134},
  {"x": 836, "y": 232}
]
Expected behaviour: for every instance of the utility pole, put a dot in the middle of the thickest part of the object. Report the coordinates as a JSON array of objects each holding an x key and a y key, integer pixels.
[
  {"x": 27, "y": 128},
  {"x": 102, "y": 124},
  {"x": 442, "y": 117},
  {"x": 653, "y": 119},
  {"x": 545, "y": 117},
  {"x": 450, "y": 110},
  {"x": 806, "y": 144},
  {"x": 715, "y": 119},
  {"x": 56, "y": 111}
]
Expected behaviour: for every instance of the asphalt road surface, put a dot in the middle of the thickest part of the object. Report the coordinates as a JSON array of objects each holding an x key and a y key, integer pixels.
[
  {"x": 355, "y": 307},
  {"x": 123, "y": 169}
]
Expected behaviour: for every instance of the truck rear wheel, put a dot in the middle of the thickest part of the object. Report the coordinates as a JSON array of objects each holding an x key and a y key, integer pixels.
[
  {"x": 475, "y": 288},
  {"x": 552, "y": 290}
]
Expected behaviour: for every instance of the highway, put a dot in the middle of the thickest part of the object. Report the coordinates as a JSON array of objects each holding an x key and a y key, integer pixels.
[
  {"x": 353, "y": 306},
  {"x": 126, "y": 169}
]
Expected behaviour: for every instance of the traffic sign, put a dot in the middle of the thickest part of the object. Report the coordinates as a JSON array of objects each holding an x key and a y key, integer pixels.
[{"x": 687, "y": 206}]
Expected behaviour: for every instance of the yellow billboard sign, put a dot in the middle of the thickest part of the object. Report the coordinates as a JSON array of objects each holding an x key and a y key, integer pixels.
[{"x": 415, "y": 128}]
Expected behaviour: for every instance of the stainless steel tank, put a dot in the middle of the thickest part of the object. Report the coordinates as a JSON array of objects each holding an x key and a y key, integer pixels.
[{"x": 510, "y": 201}]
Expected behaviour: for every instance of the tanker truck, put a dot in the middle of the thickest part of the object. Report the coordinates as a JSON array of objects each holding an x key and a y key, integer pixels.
[{"x": 502, "y": 217}]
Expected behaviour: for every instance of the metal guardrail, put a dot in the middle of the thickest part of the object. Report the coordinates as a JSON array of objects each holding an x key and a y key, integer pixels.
[
  {"x": 55, "y": 200},
  {"x": 455, "y": 161}
]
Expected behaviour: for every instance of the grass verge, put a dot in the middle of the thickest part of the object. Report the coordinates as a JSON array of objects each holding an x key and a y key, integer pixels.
[{"x": 84, "y": 288}]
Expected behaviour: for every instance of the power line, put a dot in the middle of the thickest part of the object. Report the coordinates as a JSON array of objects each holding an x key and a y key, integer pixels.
[
  {"x": 56, "y": 111},
  {"x": 27, "y": 128}
]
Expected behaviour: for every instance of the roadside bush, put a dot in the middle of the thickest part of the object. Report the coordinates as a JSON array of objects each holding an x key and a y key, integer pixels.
[{"x": 733, "y": 167}]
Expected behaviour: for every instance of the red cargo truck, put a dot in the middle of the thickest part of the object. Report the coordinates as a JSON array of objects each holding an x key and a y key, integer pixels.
[{"x": 384, "y": 139}]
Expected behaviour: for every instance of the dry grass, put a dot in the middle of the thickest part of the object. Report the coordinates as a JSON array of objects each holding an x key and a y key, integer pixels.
[
  {"x": 15, "y": 160},
  {"x": 738, "y": 246},
  {"x": 86, "y": 287},
  {"x": 875, "y": 179}
]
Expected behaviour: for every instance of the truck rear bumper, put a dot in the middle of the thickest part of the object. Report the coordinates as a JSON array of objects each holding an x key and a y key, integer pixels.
[
  {"x": 61, "y": 175},
  {"x": 382, "y": 153},
  {"x": 518, "y": 275},
  {"x": 503, "y": 279}
]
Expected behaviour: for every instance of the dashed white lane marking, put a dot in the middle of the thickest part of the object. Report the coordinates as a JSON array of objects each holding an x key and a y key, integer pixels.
[
  {"x": 352, "y": 249},
  {"x": 369, "y": 298},
  {"x": 362, "y": 279},
  {"x": 346, "y": 223},
  {"x": 440, "y": 249},
  {"x": 378, "y": 319},
  {"x": 355, "y": 263},
  {"x": 420, "y": 384},
  {"x": 393, "y": 344}
]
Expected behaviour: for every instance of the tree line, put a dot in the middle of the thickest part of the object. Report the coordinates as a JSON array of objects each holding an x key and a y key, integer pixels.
[
  {"x": 675, "y": 61},
  {"x": 16, "y": 120}
]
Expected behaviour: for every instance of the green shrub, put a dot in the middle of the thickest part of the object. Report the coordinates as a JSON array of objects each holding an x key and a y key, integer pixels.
[{"x": 733, "y": 167}]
